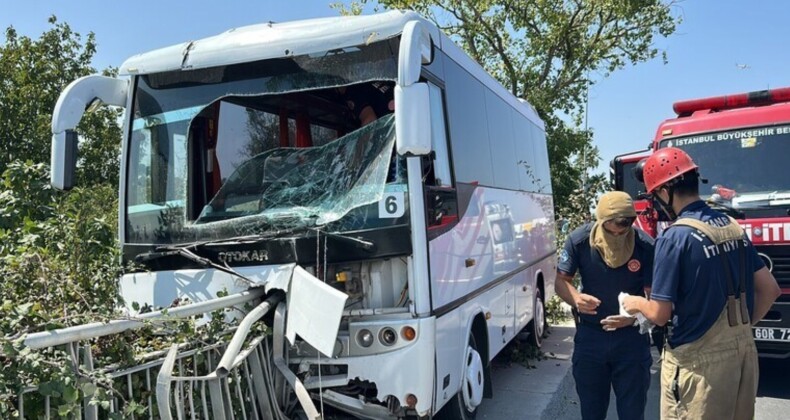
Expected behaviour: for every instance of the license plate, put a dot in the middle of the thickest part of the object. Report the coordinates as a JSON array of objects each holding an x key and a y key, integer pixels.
[{"x": 771, "y": 334}]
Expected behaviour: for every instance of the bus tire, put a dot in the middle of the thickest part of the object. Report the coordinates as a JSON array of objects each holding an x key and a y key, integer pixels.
[
  {"x": 537, "y": 327},
  {"x": 464, "y": 405}
]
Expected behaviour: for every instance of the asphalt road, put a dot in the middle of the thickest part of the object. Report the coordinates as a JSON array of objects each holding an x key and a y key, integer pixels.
[
  {"x": 545, "y": 390},
  {"x": 571, "y": 410},
  {"x": 773, "y": 394}
]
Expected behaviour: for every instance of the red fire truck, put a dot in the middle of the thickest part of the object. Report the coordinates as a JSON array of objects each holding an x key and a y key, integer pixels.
[{"x": 741, "y": 142}]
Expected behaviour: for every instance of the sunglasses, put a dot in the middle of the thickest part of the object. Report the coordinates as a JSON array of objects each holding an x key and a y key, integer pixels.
[
  {"x": 620, "y": 224},
  {"x": 623, "y": 222}
]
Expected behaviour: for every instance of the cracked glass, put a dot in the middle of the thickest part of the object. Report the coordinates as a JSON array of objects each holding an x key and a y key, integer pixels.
[{"x": 205, "y": 160}]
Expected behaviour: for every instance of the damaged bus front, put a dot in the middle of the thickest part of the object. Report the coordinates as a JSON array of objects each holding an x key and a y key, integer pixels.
[
  {"x": 265, "y": 167},
  {"x": 310, "y": 160},
  {"x": 255, "y": 168}
]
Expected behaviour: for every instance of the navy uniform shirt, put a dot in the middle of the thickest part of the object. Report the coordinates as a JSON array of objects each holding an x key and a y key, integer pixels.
[
  {"x": 600, "y": 280},
  {"x": 688, "y": 274}
]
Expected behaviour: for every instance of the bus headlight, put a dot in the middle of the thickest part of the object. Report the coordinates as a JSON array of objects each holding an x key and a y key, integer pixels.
[
  {"x": 388, "y": 336},
  {"x": 365, "y": 338},
  {"x": 381, "y": 336}
]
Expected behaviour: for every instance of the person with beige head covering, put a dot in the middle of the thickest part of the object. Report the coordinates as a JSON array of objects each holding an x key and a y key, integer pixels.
[
  {"x": 609, "y": 352},
  {"x": 616, "y": 242}
]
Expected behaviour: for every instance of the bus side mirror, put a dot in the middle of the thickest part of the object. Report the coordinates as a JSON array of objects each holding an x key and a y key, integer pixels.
[
  {"x": 63, "y": 161},
  {"x": 78, "y": 97},
  {"x": 413, "y": 119},
  {"x": 416, "y": 49}
]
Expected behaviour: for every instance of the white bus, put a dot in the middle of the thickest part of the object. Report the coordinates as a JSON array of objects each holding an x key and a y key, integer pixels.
[{"x": 366, "y": 169}]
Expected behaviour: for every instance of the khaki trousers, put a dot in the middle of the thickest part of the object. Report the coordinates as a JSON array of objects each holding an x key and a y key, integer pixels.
[{"x": 712, "y": 378}]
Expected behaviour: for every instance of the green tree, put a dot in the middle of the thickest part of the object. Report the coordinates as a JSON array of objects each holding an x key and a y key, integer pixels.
[
  {"x": 59, "y": 266},
  {"x": 550, "y": 52},
  {"x": 58, "y": 251},
  {"x": 33, "y": 73}
]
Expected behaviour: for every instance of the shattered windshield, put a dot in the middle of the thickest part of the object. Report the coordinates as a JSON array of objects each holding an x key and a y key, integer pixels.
[
  {"x": 256, "y": 148},
  {"x": 744, "y": 168},
  {"x": 291, "y": 186}
]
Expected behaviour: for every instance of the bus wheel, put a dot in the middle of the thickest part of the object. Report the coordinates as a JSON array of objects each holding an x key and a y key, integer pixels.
[
  {"x": 537, "y": 327},
  {"x": 465, "y": 403}
]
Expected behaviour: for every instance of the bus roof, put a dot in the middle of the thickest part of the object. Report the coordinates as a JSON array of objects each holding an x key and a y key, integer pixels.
[
  {"x": 300, "y": 37},
  {"x": 273, "y": 40}
]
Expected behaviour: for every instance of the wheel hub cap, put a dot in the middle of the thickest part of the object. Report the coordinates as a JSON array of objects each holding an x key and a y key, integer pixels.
[
  {"x": 473, "y": 380},
  {"x": 540, "y": 318}
]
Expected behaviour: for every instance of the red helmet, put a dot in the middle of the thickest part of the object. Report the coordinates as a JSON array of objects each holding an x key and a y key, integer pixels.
[{"x": 665, "y": 165}]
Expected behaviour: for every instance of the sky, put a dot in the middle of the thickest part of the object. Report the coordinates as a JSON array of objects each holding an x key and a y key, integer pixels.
[{"x": 721, "y": 47}]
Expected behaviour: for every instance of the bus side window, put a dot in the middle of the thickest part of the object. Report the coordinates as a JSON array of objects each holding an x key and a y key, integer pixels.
[
  {"x": 441, "y": 206},
  {"x": 441, "y": 199}
]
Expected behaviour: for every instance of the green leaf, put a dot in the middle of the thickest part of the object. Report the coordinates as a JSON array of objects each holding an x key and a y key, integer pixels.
[
  {"x": 64, "y": 410},
  {"x": 89, "y": 389},
  {"x": 133, "y": 408},
  {"x": 70, "y": 394},
  {"x": 24, "y": 308},
  {"x": 46, "y": 389}
]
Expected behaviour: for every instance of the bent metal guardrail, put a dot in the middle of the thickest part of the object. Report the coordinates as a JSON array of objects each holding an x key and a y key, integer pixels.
[
  {"x": 218, "y": 381},
  {"x": 249, "y": 369},
  {"x": 100, "y": 329}
]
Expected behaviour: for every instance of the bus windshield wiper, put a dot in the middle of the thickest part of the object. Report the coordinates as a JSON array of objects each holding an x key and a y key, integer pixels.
[
  {"x": 286, "y": 233},
  {"x": 185, "y": 252},
  {"x": 357, "y": 242},
  {"x": 283, "y": 234},
  {"x": 253, "y": 238}
]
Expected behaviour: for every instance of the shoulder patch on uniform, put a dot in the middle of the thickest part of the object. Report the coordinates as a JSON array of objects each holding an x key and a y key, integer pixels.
[
  {"x": 564, "y": 256},
  {"x": 634, "y": 265}
]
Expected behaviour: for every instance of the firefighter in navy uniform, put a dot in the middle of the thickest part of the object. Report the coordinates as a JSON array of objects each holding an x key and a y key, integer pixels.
[
  {"x": 710, "y": 281},
  {"x": 609, "y": 352}
]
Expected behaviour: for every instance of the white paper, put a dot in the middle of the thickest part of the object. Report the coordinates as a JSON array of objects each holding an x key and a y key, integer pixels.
[
  {"x": 314, "y": 311},
  {"x": 645, "y": 325},
  {"x": 620, "y": 298}
]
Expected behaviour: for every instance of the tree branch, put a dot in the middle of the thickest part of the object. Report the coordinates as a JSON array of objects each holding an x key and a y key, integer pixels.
[{"x": 497, "y": 44}]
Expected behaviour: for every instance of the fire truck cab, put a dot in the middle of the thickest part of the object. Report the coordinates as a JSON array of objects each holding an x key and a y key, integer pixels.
[{"x": 741, "y": 143}]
